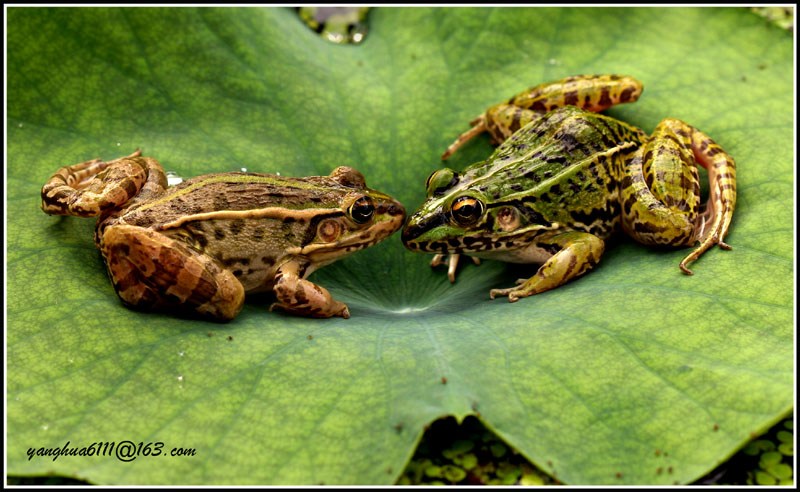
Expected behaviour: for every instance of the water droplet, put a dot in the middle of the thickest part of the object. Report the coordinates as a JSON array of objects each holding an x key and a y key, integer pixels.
[
  {"x": 20, "y": 125},
  {"x": 71, "y": 360},
  {"x": 45, "y": 427},
  {"x": 336, "y": 24},
  {"x": 552, "y": 61},
  {"x": 334, "y": 37},
  {"x": 180, "y": 353},
  {"x": 173, "y": 178},
  {"x": 180, "y": 378},
  {"x": 118, "y": 144},
  {"x": 278, "y": 173},
  {"x": 244, "y": 169}
]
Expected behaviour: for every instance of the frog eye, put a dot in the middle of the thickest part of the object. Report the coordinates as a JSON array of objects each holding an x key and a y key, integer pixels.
[
  {"x": 362, "y": 210},
  {"x": 440, "y": 180},
  {"x": 466, "y": 210}
]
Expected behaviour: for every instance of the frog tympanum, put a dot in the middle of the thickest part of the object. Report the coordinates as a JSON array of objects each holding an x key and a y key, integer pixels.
[
  {"x": 204, "y": 243},
  {"x": 564, "y": 178}
]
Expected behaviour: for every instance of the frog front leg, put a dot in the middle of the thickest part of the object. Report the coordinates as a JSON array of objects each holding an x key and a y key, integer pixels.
[
  {"x": 299, "y": 296},
  {"x": 452, "y": 263},
  {"x": 589, "y": 92},
  {"x": 150, "y": 270},
  {"x": 580, "y": 251},
  {"x": 660, "y": 190}
]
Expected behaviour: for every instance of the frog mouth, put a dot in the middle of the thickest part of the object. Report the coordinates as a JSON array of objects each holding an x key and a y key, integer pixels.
[
  {"x": 476, "y": 243},
  {"x": 413, "y": 230}
]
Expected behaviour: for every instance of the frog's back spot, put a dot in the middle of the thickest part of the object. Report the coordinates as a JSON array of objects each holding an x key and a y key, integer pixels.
[
  {"x": 532, "y": 175},
  {"x": 237, "y": 226},
  {"x": 219, "y": 234},
  {"x": 625, "y": 96},
  {"x": 604, "y": 99},
  {"x": 571, "y": 97}
]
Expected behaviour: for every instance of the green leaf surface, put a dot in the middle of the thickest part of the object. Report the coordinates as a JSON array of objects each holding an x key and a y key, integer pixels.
[{"x": 593, "y": 377}]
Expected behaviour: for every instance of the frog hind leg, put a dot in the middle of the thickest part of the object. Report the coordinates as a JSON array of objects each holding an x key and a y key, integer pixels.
[
  {"x": 716, "y": 219},
  {"x": 89, "y": 188},
  {"x": 660, "y": 190},
  {"x": 589, "y": 92},
  {"x": 578, "y": 253},
  {"x": 501, "y": 121},
  {"x": 150, "y": 270},
  {"x": 299, "y": 296}
]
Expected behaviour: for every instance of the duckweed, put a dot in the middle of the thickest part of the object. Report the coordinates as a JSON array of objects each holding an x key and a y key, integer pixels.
[{"x": 470, "y": 454}]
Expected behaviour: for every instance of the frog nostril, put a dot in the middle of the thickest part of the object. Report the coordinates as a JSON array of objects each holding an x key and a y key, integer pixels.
[{"x": 395, "y": 210}]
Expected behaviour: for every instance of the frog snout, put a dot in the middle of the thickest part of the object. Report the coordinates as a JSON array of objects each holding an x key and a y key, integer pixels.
[
  {"x": 408, "y": 230},
  {"x": 395, "y": 211},
  {"x": 412, "y": 230}
]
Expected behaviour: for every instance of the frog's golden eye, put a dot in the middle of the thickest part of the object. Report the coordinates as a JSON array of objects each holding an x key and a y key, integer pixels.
[
  {"x": 440, "y": 180},
  {"x": 362, "y": 210},
  {"x": 466, "y": 210}
]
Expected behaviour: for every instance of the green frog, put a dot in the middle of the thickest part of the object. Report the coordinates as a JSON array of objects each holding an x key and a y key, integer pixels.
[
  {"x": 565, "y": 178},
  {"x": 206, "y": 242}
]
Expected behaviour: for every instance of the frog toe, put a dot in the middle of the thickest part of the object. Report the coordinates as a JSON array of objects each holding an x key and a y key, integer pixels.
[
  {"x": 437, "y": 260},
  {"x": 499, "y": 292}
]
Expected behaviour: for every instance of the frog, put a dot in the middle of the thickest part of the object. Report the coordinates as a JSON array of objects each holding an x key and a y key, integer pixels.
[
  {"x": 565, "y": 178},
  {"x": 203, "y": 244}
]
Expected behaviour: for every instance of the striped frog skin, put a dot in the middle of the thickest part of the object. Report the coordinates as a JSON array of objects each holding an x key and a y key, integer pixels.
[
  {"x": 565, "y": 178},
  {"x": 204, "y": 243}
]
